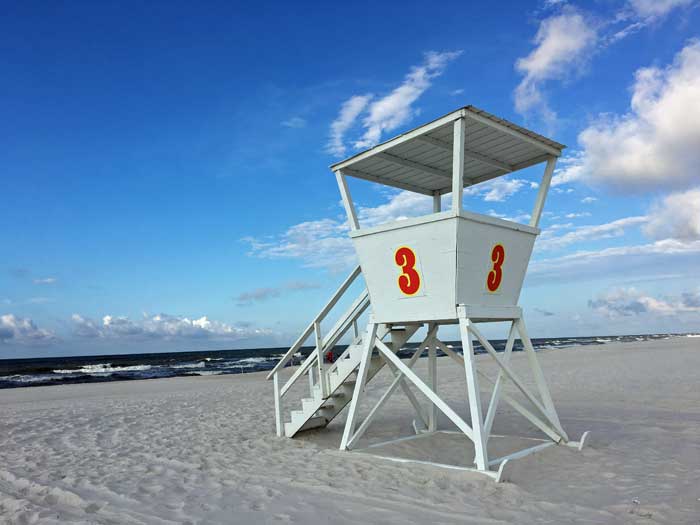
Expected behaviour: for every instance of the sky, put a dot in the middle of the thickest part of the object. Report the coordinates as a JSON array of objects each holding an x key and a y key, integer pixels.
[{"x": 164, "y": 180}]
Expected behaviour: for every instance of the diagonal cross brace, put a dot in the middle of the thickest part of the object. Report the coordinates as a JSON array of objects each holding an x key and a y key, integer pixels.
[
  {"x": 398, "y": 379},
  {"x": 426, "y": 390},
  {"x": 508, "y": 371},
  {"x": 532, "y": 418},
  {"x": 500, "y": 381}
]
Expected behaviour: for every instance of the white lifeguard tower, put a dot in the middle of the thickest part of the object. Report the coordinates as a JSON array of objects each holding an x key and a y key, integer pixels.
[{"x": 448, "y": 267}]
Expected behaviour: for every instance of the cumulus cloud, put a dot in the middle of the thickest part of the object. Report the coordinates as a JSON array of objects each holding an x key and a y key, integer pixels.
[
  {"x": 562, "y": 45},
  {"x": 263, "y": 294},
  {"x": 620, "y": 302},
  {"x": 22, "y": 330},
  {"x": 387, "y": 113},
  {"x": 655, "y": 144},
  {"x": 588, "y": 200},
  {"x": 677, "y": 216},
  {"x": 160, "y": 326}
]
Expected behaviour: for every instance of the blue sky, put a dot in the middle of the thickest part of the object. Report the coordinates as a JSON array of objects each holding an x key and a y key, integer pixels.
[{"x": 164, "y": 167}]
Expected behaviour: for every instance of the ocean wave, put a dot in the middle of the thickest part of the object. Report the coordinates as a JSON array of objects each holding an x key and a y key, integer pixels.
[
  {"x": 252, "y": 360},
  {"x": 103, "y": 368},
  {"x": 200, "y": 364},
  {"x": 37, "y": 378}
]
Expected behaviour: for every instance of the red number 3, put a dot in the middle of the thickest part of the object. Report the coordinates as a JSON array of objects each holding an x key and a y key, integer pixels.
[
  {"x": 409, "y": 280},
  {"x": 498, "y": 256}
]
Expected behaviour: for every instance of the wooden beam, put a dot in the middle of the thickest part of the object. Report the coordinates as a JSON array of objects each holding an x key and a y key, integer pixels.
[
  {"x": 542, "y": 194},
  {"x": 457, "y": 165},
  {"x": 406, "y": 163},
  {"x": 386, "y": 182},
  {"x": 347, "y": 200},
  {"x": 474, "y": 155}
]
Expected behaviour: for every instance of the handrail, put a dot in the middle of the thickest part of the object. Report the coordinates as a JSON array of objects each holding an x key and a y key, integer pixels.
[
  {"x": 357, "y": 308},
  {"x": 321, "y": 315}
]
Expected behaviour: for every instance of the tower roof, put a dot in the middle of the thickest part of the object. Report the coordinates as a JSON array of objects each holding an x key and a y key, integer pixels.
[{"x": 420, "y": 160}]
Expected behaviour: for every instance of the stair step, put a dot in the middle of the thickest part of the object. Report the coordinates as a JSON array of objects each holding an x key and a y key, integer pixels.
[{"x": 314, "y": 422}]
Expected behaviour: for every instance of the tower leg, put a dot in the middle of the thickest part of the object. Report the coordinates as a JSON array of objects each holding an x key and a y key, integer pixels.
[
  {"x": 480, "y": 453},
  {"x": 359, "y": 385},
  {"x": 432, "y": 372}
]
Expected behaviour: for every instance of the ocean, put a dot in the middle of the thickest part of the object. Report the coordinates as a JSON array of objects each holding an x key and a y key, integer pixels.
[{"x": 101, "y": 368}]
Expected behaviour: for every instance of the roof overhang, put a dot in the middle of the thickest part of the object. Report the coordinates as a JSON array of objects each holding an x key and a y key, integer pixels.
[{"x": 420, "y": 160}]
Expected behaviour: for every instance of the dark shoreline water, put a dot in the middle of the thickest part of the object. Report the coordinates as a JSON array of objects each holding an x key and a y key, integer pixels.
[{"x": 123, "y": 367}]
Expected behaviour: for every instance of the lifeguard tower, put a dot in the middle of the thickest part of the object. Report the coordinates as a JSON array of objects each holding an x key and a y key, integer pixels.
[{"x": 449, "y": 267}]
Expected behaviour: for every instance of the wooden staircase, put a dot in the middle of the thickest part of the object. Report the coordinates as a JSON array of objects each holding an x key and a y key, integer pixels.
[
  {"x": 331, "y": 386},
  {"x": 317, "y": 411}
]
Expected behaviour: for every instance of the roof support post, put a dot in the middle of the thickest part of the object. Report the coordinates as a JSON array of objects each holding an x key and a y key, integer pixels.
[
  {"x": 437, "y": 204},
  {"x": 347, "y": 200},
  {"x": 542, "y": 194},
  {"x": 458, "y": 165}
]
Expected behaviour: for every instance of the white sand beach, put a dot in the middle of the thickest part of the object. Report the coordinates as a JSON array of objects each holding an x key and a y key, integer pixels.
[{"x": 203, "y": 450}]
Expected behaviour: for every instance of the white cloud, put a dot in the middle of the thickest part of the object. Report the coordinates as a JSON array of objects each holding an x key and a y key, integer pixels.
[
  {"x": 45, "y": 280},
  {"x": 318, "y": 244},
  {"x": 497, "y": 190},
  {"x": 588, "y": 200},
  {"x": 22, "y": 330},
  {"x": 569, "y": 168},
  {"x": 639, "y": 14},
  {"x": 325, "y": 243},
  {"x": 396, "y": 108},
  {"x": 588, "y": 233},
  {"x": 587, "y": 258},
  {"x": 654, "y": 145},
  {"x": 562, "y": 45},
  {"x": 625, "y": 302},
  {"x": 401, "y": 205},
  {"x": 294, "y": 122},
  {"x": 160, "y": 326},
  {"x": 577, "y": 215},
  {"x": 677, "y": 216},
  {"x": 349, "y": 112},
  {"x": 652, "y": 10}
]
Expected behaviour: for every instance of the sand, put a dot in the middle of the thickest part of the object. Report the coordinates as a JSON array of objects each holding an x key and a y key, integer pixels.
[{"x": 203, "y": 450}]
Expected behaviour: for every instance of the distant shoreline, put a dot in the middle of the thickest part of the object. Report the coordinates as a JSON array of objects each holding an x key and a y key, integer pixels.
[{"x": 19, "y": 373}]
